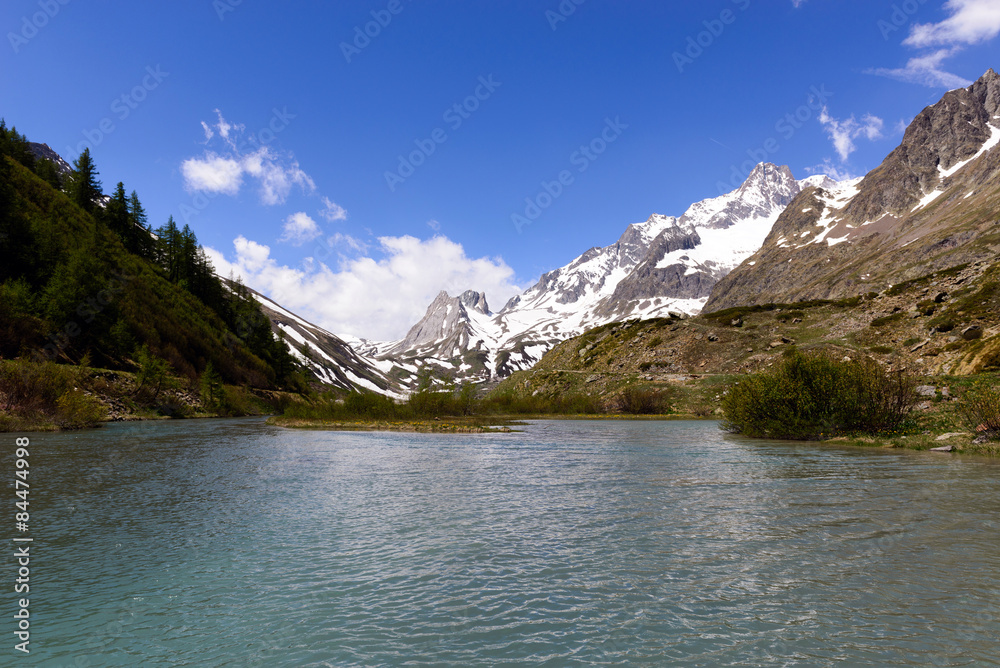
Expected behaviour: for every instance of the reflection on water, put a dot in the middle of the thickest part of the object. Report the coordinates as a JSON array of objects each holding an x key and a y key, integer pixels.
[{"x": 228, "y": 542}]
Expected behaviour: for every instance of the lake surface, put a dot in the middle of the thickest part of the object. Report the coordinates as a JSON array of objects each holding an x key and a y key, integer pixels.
[{"x": 231, "y": 543}]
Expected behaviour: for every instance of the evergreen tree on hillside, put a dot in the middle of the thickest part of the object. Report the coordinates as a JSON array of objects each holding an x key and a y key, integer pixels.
[
  {"x": 48, "y": 171},
  {"x": 16, "y": 145},
  {"x": 116, "y": 214},
  {"x": 168, "y": 249},
  {"x": 85, "y": 189},
  {"x": 141, "y": 241},
  {"x": 18, "y": 256}
]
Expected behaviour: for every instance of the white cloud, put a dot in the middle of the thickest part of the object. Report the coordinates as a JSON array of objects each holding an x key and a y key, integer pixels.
[
  {"x": 224, "y": 174},
  {"x": 275, "y": 180},
  {"x": 224, "y": 127},
  {"x": 213, "y": 174},
  {"x": 434, "y": 225},
  {"x": 926, "y": 71},
  {"x": 346, "y": 240},
  {"x": 798, "y": 3},
  {"x": 299, "y": 228},
  {"x": 332, "y": 211},
  {"x": 971, "y": 22},
  {"x": 843, "y": 133},
  {"x": 833, "y": 171},
  {"x": 378, "y": 299}
]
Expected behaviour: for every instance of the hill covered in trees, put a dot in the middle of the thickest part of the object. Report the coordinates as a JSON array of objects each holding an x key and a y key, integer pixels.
[{"x": 85, "y": 280}]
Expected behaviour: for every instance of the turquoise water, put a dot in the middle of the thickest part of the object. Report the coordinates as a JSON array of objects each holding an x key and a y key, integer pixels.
[{"x": 230, "y": 543}]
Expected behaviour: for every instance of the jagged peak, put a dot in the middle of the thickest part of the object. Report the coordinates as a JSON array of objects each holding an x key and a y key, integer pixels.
[
  {"x": 475, "y": 301},
  {"x": 764, "y": 174}
]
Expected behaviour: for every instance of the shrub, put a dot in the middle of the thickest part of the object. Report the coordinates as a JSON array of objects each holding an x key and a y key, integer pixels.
[
  {"x": 77, "y": 410},
  {"x": 641, "y": 401},
  {"x": 980, "y": 409},
  {"x": 812, "y": 397},
  {"x": 152, "y": 374},
  {"x": 33, "y": 394}
]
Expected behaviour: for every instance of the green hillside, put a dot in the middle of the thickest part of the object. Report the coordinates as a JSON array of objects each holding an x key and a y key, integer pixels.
[{"x": 85, "y": 281}]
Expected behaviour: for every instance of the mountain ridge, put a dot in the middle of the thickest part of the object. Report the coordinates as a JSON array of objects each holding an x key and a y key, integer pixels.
[
  {"x": 929, "y": 205},
  {"x": 660, "y": 266}
]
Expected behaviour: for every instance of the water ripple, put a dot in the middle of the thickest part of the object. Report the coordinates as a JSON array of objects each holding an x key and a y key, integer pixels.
[{"x": 217, "y": 543}]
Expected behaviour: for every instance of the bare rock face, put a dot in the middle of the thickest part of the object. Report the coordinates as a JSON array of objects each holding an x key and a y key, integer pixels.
[
  {"x": 940, "y": 136},
  {"x": 475, "y": 300},
  {"x": 929, "y": 206},
  {"x": 45, "y": 152},
  {"x": 446, "y": 317},
  {"x": 647, "y": 281}
]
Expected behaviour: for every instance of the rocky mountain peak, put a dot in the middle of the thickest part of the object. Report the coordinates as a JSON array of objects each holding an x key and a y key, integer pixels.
[
  {"x": 941, "y": 137},
  {"x": 45, "y": 152},
  {"x": 765, "y": 178},
  {"x": 445, "y": 317},
  {"x": 768, "y": 188},
  {"x": 475, "y": 301}
]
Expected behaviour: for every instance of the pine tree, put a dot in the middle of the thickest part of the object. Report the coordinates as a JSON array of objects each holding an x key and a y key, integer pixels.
[
  {"x": 142, "y": 243},
  {"x": 85, "y": 189},
  {"x": 189, "y": 251},
  {"x": 211, "y": 389},
  {"x": 16, "y": 145},
  {"x": 167, "y": 249},
  {"x": 18, "y": 250},
  {"x": 47, "y": 170},
  {"x": 116, "y": 214}
]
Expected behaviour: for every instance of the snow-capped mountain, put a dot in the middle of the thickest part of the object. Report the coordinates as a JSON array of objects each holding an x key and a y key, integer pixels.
[
  {"x": 329, "y": 358},
  {"x": 664, "y": 265}
]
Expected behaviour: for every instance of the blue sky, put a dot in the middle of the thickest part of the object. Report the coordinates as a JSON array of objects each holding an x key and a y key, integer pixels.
[{"x": 277, "y": 130}]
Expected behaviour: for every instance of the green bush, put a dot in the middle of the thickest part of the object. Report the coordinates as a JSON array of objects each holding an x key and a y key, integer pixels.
[
  {"x": 813, "y": 397},
  {"x": 77, "y": 410},
  {"x": 641, "y": 401},
  {"x": 980, "y": 409},
  {"x": 46, "y": 394}
]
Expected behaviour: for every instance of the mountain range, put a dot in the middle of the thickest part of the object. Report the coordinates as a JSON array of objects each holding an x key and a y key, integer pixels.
[
  {"x": 929, "y": 206},
  {"x": 664, "y": 265}
]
